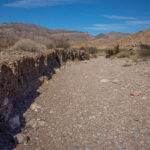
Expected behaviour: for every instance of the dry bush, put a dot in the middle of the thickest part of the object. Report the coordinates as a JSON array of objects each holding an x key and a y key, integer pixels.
[
  {"x": 123, "y": 54},
  {"x": 144, "y": 51},
  {"x": 6, "y": 42},
  {"x": 110, "y": 52},
  {"x": 28, "y": 45},
  {"x": 59, "y": 44},
  {"x": 90, "y": 50}
]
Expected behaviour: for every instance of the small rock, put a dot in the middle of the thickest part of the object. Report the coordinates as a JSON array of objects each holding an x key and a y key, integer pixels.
[
  {"x": 32, "y": 123},
  {"x": 51, "y": 112},
  {"x": 35, "y": 123},
  {"x": 21, "y": 138},
  {"x": 41, "y": 123},
  {"x": 136, "y": 119},
  {"x": 104, "y": 80},
  {"x": 116, "y": 81},
  {"x": 136, "y": 93},
  {"x": 14, "y": 122},
  {"x": 35, "y": 107},
  {"x": 144, "y": 97},
  {"x": 57, "y": 70},
  {"x": 115, "y": 90}
]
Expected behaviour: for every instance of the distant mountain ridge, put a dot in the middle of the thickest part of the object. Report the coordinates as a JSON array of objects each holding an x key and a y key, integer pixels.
[
  {"x": 112, "y": 36},
  {"x": 45, "y": 35},
  {"x": 131, "y": 42},
  {"x": 40, "y": 34}
]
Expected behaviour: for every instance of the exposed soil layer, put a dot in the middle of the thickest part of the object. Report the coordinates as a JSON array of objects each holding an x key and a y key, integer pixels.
[
  {"x": 89, "y": 106},
  {"x": 24, "y": 74}
]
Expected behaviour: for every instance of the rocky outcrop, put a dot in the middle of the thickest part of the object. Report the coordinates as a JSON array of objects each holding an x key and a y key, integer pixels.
[{"x": 22, "y": 76}]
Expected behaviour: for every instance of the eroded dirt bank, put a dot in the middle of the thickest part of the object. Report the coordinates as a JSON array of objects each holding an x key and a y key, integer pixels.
[
  {"x": 89, "y": 106},
  {"x": 23, "y": 75}
]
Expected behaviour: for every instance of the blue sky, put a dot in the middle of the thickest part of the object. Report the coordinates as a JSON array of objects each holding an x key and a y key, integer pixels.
[{"x": 94, "y": 16}]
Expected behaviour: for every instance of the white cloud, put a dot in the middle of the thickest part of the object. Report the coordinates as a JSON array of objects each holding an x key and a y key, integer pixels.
[
  {"x": 38, "y": 3},
  {"x": 144, "y": 22},
  {"x": 125, "y": 26},
  {"x": 118, "y": 17},
  {"x": 106, "y": 27}
]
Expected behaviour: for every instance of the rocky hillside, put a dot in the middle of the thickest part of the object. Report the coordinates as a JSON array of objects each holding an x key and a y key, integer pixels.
[
  {"x": 38, "y": 33},
  {"x": 135, "y": 41},
  {"x": 10, "y": 33},
  {"x": 130, "y": 42},
  {"x": 111, "y": 36}
]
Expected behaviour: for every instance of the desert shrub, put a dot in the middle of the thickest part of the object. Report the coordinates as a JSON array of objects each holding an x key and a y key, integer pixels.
[
  {"x": 111, "y": 52},
  {"x": 143, "y": 46},
  {"x": 50, "y": 46},
  {"x": 87, "y": 56},
  {"x": 92, "y": 50},
  {"x": 6, "y": 42},
  {"x": 123, "y": 54},
  {"x": 28, "y": 45},
  {"x": 59, "y": 44},
  {"x": 82, "y": 48},
  {"x": 144, "y": 51}
]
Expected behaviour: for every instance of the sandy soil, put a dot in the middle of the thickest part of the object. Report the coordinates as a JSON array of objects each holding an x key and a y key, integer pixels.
[{"x": 88, "y": 106}]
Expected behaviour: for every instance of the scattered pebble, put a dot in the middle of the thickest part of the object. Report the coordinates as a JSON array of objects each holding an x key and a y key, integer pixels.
[
  {"x": 35, "y": 123},
  {"x": 136, "y": 93},
  {"x": 104, "y": 80},
  {"x": 136, "y": 119},
  {"x": 144, "y": 97},
  {"x": 22, "y": 139},
  {"x": 35, "y": 107},
  {"x": 116, "y": 81}
]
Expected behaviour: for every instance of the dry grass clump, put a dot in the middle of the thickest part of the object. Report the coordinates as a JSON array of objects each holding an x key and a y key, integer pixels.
[
  {"x": 144, "y": 51},
  {"x": 28, "y": 45},
  {"x": 92, "y": 51},
  {"x": 123, "y": 54},
  {"x": 110, "y": 52},
  {"x": 6, "y": 42},
  {"x": 59, "y": 44}
]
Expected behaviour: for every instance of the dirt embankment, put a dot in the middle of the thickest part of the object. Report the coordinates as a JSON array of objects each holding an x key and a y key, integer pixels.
[{"x": 24, "y": 75}]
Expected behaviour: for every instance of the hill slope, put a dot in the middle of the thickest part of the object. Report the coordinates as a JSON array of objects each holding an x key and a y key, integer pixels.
[
  {"x": 111, "y": 36},
  {"x": 39, "y": 34},
  {"x": 131, "y": 42}
]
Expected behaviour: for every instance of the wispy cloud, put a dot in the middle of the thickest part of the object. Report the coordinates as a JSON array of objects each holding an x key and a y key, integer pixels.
[
  {"x": 38, "y": 3},
  {"x": 144, "y": 22},
  {"x": 106, "y": 27},
  {"x": 118, "y": 17},
  {"x": 125, "y": 26}
]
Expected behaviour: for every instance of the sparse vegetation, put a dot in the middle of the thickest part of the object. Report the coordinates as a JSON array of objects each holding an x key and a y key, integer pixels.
[
  {"x": 6, "y": 42},
  {"x": 144, "y": 51},
  {"x": 122, "y": 54},
  {"x": 59, "y": 44},
  {"x": 28, "y": 45},
  {"x": 110, "y": 52},
  {"x": 87, "y": 56},
  {"x": 92, "y": 51}
]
